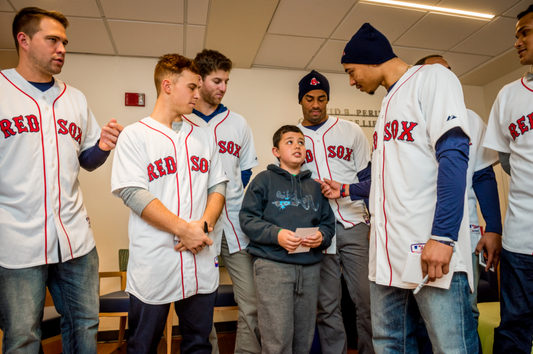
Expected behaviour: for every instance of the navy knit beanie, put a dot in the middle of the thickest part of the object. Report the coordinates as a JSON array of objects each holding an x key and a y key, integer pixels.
[
  {"x": 367, "y": 46},
  {"x": 312, "y": 81}
]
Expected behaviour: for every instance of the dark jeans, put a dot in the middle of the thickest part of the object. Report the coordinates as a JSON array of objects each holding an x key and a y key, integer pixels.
[
  {"x": 147, "y": 322},
  {"x": 515, "y": 332},
  {"x": 74, "y": 287}
]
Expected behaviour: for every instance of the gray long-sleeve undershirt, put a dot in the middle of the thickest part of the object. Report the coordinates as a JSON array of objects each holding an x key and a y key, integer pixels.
[{"x": 137, "y": 198}]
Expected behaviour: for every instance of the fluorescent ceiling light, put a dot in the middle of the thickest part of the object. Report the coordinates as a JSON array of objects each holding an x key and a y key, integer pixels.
[{"x": 433, "y": 8}]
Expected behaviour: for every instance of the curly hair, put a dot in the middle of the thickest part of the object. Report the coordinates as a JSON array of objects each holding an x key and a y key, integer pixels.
[{"x": 209, "y": 60}]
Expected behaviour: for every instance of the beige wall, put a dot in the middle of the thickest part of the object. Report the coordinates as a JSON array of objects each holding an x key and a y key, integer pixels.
[{"x": 266, "y": 98}]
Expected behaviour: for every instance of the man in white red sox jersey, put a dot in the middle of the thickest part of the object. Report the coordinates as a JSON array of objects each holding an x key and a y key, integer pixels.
[
  {"x": 509, "y": 132},
  {"x": 417, "y": 199},
  {"x": 338, "y": 149},
  {"x": 47, "y": 132},
  {"x": 169, "y": 173},
  {"x": 237, "y": 155}
]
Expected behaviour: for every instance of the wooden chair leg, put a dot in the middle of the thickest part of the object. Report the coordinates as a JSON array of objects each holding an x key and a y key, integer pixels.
[
  {"x": 168, "y": 328},
  {"x": 121, "y": 330}
]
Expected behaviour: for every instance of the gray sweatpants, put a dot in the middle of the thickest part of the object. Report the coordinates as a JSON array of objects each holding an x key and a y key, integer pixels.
[
  {"x": 351, "y": 260},
  {"x": 287, "y": 296}
]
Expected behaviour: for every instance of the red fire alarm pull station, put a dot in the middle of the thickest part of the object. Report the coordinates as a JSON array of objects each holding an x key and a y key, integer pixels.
[{"x": 135, "y": 99}]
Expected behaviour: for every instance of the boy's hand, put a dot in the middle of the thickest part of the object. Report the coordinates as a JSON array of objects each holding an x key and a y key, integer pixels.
[
  {"x": 287, "y": 240},
  {"x": 313, "y": 241}
]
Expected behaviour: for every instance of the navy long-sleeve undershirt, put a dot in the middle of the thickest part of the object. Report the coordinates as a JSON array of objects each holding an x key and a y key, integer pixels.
[
  {"x": 486, "y": 189},
  {"x": 93, "y": 157}
]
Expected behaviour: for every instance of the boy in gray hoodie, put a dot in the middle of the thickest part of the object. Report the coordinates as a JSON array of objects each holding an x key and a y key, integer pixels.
[{"x": 277, "y": 202}]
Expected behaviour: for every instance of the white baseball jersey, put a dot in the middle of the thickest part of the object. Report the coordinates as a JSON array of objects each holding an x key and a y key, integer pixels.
[
  {"x": 41, "y": 204},
  {"x": 510, "y": 131},
  {"x": 424, "y": 104},
  {"x": 338, "y": 150},
  {"x": 177, "y": 168},
  {"x": 479, "y": 159},
  {"x": 237, "y": 153}
]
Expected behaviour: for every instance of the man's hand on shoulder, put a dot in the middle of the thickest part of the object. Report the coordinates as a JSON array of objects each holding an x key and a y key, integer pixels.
[
  {"x": 109, "y": 135},
  {"x": 287, "y": 240},
  {"x": 436, "y": 259},
  {"x": 193, "y": 238}
]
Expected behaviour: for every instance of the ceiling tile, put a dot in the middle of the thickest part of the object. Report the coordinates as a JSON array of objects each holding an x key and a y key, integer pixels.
[
  {"x": 310, "y": 18},
  {"x": 493, "y": 7},
  {"x": 391, "y": 21},
  {"x": 285, "y": 51},
  {"x": 463, "y": 63},
  {"x": 170, "y": 11},
  {"x": 195, "y": 40},
  {"x": 493, "y": 39},
  {"x": 412, "y": 55},
  {"x": 6, "y": 37},
  {"x": 329, "y": 58},
  {"x": 146, "y": 39},
  {"x": 518, "y": 8},
  {"x": 4, "y": 6},
  {"x": 85, "y": 8},
  {"x": 438, "y": 31},
  {"x": 88, "y": 36},
  {"x": 197, "y": 12}
]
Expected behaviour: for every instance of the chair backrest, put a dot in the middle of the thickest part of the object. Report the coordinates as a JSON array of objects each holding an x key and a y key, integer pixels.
[{"x": 122, "y": 276}]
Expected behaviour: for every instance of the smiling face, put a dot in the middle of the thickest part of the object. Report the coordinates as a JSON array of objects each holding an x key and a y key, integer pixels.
[
  {"x": 314, "y": 107},
  {"x": 524, "y": 39},
  {"x": 214, "y": 87},
  {"x": 46, "y": 49},
  {"x": 291, "y": 151},
  {"x": 367, "y": 78}
]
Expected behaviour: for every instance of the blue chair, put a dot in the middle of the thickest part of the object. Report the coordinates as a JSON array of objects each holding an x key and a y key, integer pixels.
[{"x": 116, "y": 304}]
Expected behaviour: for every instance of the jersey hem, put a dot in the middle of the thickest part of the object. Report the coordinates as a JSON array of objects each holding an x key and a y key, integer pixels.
[{"x": 164, "y": 302}]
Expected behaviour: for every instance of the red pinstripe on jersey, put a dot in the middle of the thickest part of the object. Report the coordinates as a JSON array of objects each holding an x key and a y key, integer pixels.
[
  {"x": 58, "y": 171},
  {"x": 44, "y": 170}
]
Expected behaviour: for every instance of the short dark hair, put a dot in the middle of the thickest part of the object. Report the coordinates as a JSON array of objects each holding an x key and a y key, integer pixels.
[
  {"x": 169, "y": 65},
  {"x": 209, "y": 60},
  {"x": 28, "y": 20},
  {"x": 525, "y": 12},
  {"x": 423, "y": 60},
  {"x": 284, "y": 129}
]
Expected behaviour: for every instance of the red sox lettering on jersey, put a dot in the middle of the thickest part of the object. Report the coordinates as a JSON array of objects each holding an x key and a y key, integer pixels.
[
  {"x": 520, "y": 127},
  {"x": 334, "y": 151},
  {"x": 391, "y": 130},
  {"x": 157, "y": 169},
  {"x": 229, "y": 147},
  {"x": 15, "y": 125}
]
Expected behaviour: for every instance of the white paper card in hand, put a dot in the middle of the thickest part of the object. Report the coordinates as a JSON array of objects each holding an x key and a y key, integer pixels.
[
  {"x": 304, "y": 232},
  {"x": 412, "y": 272}
]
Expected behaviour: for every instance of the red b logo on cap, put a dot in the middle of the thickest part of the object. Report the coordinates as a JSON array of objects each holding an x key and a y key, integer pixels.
[{"x": 314, "y": 82}]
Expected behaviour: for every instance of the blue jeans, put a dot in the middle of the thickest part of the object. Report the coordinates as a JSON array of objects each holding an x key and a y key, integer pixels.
[
  {"x": 74, "y": 286},
  {"x": 446, "y": 313},
  {"x": 147, "y": 322},
  {"x": 515, "y": 332}
]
